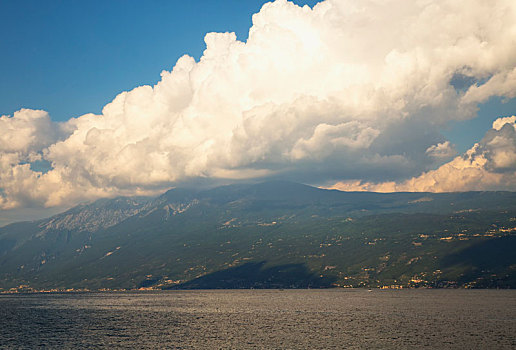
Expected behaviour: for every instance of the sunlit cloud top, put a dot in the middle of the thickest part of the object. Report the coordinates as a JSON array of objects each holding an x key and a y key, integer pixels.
[{"x": 352, "y": 93}]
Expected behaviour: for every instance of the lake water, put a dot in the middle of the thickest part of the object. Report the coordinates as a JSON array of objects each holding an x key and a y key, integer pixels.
[{"x": 262, "y": 319}]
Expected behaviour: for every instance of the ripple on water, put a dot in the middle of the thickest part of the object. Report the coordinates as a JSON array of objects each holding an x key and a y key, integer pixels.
[{"x": 262, "y": 319}]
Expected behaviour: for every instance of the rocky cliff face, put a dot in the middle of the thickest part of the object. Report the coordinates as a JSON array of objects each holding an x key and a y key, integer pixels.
[{"x": 92, "y": 217}]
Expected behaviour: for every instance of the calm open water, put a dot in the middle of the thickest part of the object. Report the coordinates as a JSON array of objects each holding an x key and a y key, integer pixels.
[{"x": 262, "y": 319}]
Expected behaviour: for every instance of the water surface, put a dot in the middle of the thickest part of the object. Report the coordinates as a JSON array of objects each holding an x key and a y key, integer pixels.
[{"x": 262, "y": 319}]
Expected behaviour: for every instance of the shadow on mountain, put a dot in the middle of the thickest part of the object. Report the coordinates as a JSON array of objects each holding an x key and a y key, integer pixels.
[
  {"x": 256, "y": 275},
  {"x": 6, "y": 245},
  {"x": 483, "y": 259}
]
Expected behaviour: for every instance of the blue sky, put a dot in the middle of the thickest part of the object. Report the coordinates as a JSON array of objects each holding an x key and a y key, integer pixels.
[
  {"x": 73, "y": 57},
  {"x": 355, "y": 95},
  {"x": 465, "y": 133}
]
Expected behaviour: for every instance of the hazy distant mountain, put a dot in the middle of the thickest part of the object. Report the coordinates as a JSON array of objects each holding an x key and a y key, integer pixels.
[{"x": 274, "y": 234}]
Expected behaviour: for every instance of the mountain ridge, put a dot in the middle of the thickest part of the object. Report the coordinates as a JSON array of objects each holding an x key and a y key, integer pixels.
[{"x": 183, "y": 234}]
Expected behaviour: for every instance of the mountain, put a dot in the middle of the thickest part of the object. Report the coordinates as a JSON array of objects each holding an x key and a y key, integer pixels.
[{"x": 273, "y": 234}]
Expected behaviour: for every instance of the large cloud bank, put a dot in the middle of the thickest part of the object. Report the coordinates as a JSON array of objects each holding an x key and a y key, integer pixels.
[
  {"x": 351, "y": 89},
  {"x": 488, "y": 165}
]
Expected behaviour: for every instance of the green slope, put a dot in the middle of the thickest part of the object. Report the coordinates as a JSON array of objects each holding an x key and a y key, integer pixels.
[{"x": 275, "y": 234}]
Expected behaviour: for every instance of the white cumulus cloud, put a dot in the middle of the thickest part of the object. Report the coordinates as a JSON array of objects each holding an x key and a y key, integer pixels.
[
  {"x": 441, "y": 150},
  {"x": 354, "y": 89},
  {"x": 488, "y": 165}
]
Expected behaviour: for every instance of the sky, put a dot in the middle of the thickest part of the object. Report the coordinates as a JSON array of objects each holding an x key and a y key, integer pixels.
[
  {"x": 73, "y": 57},
  {"x": 109, "y": 98}
]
